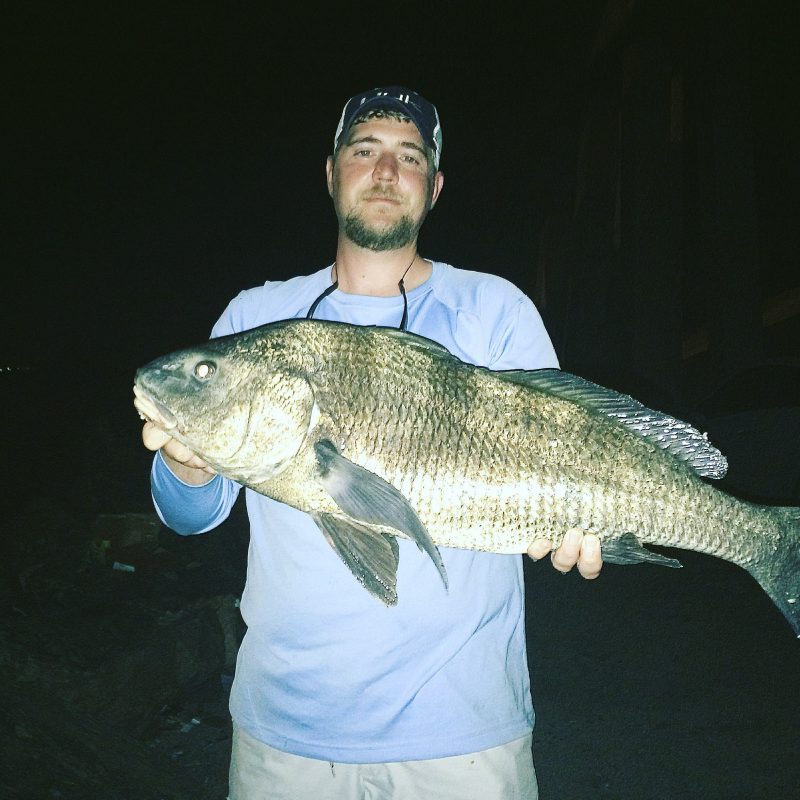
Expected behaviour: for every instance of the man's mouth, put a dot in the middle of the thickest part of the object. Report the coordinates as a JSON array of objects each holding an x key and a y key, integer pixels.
[{"x": 383, "y": 197}]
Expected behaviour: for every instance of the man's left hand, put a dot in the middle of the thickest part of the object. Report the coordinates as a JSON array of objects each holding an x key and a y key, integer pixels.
[{"x": 576, "y": 549}]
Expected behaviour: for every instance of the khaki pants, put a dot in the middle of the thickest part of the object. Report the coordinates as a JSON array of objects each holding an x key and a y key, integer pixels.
[{"x": 259, "y": 772}]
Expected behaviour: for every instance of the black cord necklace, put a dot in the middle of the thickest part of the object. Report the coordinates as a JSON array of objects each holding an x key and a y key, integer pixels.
[{"x": 335, "y": 284}]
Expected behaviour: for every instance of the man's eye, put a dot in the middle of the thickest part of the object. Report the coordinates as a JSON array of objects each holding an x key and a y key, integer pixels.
[
  {"x": 363, "y": 152},
  {"x": 410, "y": 160}
]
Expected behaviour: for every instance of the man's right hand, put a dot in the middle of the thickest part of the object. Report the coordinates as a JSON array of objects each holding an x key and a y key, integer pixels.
[{"x": 186, "y": 465}]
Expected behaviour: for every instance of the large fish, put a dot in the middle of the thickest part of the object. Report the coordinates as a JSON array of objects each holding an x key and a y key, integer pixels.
[{"x": 376, "y": 433}]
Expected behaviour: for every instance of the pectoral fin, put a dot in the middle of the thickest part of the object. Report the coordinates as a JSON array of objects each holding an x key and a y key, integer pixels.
[
  {"x": 372, "y": 557},
  {"x": 627, "y": 549},
  {"x": 366, "y": 497}
]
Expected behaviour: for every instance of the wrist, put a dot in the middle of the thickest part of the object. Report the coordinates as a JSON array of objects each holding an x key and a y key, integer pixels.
[{"x": 194, "y": 476}]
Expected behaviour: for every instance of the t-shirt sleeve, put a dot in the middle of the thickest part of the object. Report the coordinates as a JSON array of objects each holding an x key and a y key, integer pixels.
[
  {"x": 248, "y": 309},
  {"x": 520, "y": 340},
  {"x": 190, "y": 509}
]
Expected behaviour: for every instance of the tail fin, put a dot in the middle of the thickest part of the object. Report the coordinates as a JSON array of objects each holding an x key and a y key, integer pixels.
[{"x": 778, "y": 571}]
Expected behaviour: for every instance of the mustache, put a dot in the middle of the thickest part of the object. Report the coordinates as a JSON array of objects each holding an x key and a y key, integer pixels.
[{"x": 382, "y": 194}]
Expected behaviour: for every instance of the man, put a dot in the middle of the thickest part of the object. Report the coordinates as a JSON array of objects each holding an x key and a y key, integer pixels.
[{"x": 335, "y": 695}]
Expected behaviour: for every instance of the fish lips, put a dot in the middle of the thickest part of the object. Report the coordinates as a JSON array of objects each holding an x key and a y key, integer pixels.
[{"x": 153, "y": 410}]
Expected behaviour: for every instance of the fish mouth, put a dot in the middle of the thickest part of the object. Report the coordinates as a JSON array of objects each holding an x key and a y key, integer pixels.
[{"x": 152, "y": 410}]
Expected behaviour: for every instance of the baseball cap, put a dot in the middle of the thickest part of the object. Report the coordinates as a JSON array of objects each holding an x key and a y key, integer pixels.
[{"x": 419, "y": 110}]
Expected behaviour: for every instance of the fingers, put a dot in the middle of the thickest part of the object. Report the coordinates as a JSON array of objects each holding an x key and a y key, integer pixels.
[
  {"x": 577, "y": 549},
  {"x": 569, "y": 551},
  {"x": 155, "y": 439},
  {"x": 590, "y": 560},
  {"x": 179, "y": 458},
  {"x": 540, "y": 548},
  {"x": 183, "y": 455}
]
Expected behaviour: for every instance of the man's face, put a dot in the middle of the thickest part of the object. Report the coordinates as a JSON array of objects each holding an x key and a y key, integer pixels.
[{"x": 381, "y": 184}]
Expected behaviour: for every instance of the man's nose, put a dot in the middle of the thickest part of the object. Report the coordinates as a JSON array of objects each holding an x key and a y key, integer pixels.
[{"x": 385, "y": 168}]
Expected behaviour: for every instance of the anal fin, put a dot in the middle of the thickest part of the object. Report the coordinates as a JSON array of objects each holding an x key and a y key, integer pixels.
[{"x": 627, "y": 549}]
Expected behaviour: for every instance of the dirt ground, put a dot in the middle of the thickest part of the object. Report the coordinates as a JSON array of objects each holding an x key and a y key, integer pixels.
[
  {"x": 648, "y": 684},
  {"x": 115, "y": 681}
]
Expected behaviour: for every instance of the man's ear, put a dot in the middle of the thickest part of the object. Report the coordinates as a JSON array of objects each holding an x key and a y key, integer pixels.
[
  {"x": 329, "y": 174},
  {"x": 438, "y": 183}
]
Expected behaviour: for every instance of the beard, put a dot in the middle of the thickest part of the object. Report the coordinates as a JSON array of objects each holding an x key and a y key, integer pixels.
[
  {"x": 398, "y": 235},
  {"x": 378, "y": 238}
]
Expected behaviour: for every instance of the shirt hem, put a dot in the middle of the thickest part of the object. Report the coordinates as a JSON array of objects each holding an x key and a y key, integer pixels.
[{"x": 418, "y": 751}]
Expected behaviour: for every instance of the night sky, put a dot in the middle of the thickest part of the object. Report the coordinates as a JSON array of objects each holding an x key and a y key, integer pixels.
[{"x": 161, "y": 159}]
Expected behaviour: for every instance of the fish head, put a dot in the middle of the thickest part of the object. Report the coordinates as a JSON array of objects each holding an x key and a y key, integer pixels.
[{"x": 242, "y": 413}]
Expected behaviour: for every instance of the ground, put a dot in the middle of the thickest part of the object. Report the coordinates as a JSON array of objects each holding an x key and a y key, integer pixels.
[{"x": 648, "y": 683}]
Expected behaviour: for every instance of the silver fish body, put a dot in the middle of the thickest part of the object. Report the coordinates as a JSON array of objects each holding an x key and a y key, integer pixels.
[{"x": 377, "y": 433}]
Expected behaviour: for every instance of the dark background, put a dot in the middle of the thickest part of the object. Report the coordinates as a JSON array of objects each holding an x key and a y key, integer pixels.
[{"x": 632, "y": 165}]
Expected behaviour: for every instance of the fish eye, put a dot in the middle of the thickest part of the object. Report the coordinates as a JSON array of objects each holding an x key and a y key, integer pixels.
[{"x": 203, "y": 370}]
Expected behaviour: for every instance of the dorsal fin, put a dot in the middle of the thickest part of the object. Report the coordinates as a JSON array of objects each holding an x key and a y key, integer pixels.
[{"x": 679, "y": 438}]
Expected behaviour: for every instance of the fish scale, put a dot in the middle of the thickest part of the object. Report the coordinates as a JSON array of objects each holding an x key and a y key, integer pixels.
[{"x": 378, "y": 433}]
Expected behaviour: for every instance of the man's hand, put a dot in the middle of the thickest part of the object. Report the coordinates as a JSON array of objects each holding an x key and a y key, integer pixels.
[
  {"x": 172, "y": 450},
  {"x": 187, "y": 466},
  {"x": 577, "y": 548}
]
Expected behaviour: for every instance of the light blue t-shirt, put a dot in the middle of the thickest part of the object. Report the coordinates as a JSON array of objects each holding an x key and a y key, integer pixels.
[{"x": 326, "y": 670}]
